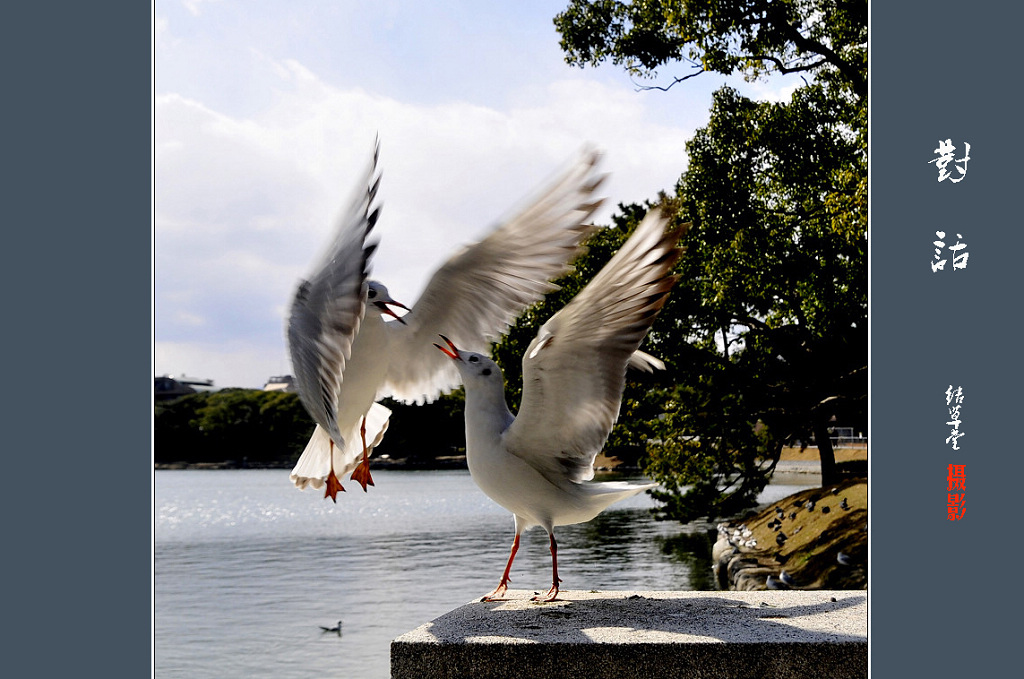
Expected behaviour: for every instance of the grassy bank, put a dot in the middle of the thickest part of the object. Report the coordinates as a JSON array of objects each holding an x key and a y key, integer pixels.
[{"x": 814, "y": 538}]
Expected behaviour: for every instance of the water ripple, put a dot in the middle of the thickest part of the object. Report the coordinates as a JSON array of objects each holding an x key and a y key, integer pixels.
[{"x": 247, "y": 567}]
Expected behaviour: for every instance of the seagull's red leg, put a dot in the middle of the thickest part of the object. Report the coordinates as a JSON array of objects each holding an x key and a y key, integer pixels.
[
  {"x": 333, "y": 484},
  {"x": 553, "y": 592},
  {"x": 362, "y": 472},
  {"x": 502, "y": 587}
]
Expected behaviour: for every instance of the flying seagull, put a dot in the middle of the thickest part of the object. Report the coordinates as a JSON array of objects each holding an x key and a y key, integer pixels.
[
  {"x": 346, "y": 356},
  {"x": 536, "y": 464}
]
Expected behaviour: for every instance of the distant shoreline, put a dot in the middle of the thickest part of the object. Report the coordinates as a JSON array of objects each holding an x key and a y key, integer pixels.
[
  {"x": 453, "y": 462},
  {"x": 443, "y": 462},
  {"x": 799, "y": 461}
]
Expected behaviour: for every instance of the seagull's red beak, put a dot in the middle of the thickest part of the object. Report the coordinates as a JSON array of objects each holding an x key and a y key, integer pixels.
[
  {"x": 385, "y": 307},
  {"x": 451, "y": 351}
]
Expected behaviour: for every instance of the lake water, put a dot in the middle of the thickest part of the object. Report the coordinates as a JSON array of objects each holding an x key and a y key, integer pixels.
[{"x": 246, "y": 567}]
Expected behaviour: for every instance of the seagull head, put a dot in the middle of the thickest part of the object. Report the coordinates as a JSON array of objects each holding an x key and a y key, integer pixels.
[
  {"x": 377, "y": 297},
  {"x": 470, "y": 363}
]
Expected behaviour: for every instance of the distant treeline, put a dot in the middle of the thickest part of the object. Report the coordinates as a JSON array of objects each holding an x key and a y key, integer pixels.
[{"x": 271, "y": 428}]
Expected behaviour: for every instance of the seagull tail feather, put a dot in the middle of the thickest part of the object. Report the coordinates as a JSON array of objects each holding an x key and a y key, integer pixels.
[
  {"x": 606, "y": 493},
  {"x": 314, "y": 464}
]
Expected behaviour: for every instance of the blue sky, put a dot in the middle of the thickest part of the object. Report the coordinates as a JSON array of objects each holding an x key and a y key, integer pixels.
[{"x": 265, "y": 113}]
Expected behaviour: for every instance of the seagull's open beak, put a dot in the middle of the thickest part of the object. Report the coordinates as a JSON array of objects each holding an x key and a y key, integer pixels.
[
  {"x": 451, "y": 350},
  {"x": 385, "y": 306}
]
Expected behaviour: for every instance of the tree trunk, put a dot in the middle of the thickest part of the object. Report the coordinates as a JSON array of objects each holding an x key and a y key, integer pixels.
[{"x": 829, "y": 473}]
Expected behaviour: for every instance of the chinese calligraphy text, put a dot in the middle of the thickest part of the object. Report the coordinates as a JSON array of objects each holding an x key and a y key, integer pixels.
[
  {"x": 946, "y": 151},
  {"x": 953, "y": 401},
  {"x": 959, "y": 258}
]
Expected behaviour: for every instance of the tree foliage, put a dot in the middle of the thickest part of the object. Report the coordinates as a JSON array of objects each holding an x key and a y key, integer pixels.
[
  {"x": 422, "y": 433},
  {"x": 765, "y": 335},
  {"x": 753, "y": 37},
  {"x": 259, "y": 427},
  {"x": 770, "y": 314},
  {"x": 255, "y": 426}
]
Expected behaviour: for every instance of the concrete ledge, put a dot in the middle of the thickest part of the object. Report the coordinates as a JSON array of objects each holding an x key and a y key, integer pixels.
[{"x": 696, "y": 635}]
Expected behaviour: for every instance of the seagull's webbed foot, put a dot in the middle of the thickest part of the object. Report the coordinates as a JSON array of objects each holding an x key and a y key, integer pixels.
[
  {"x": 333, "y": 487},
  {"x": 552, "y": 594},
  {"x": 333, "y": 484},
  {"x": 498, "y": 594},
  {"x": 361, "y": 474}
]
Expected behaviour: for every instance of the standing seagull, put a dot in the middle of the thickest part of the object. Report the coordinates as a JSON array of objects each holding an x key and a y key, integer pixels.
[
  {"x": 574, "y": 372},
  {"x": 346, "y": 356}
]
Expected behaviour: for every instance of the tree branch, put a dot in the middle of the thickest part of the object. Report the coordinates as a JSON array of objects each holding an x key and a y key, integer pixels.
[
  {"x": 806, "y": 44},
  {"x": 781, "y": 66},
  {"x": 666, "y": 88}
]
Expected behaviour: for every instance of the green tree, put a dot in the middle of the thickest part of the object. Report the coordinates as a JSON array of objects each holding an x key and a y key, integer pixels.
[
  {"x": 753, "y": 37},
  {"x": 765, "y": 335},
  {"x": 272, "y": 427},
  {"x": 231, "y": 425},
  {"x": 773, "y": 290},
  {"x": 442, "y": 419}
]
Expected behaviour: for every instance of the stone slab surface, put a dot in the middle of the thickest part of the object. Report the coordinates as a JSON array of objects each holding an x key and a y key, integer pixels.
[{"x": 592, "y": 635}]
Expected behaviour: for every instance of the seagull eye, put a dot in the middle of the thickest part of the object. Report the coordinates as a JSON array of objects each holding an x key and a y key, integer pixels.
[
  {"x": 372, "y": 293},
  {"x": 473, "y": 359}
]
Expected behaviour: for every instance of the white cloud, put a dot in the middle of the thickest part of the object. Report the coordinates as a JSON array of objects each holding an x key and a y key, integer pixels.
[
  {"x": 194, "y": 6},
  {"x": 160, "y": 27},
  {"x": 776, "y": 90},
  {"x": 229, "y": 364},
  {"x": 244, "y": 205}
]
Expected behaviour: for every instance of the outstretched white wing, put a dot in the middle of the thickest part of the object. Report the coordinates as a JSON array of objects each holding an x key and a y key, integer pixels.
[
  {"x": 328, "y": 308},
  {"x": 574, "y": 370},
  {"x": 480, "y": 290}
]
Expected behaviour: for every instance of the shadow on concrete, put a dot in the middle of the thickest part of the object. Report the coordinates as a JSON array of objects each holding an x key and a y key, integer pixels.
[
  {"x": 778, "y": 634},
  {"x": 723, "y": 618}
]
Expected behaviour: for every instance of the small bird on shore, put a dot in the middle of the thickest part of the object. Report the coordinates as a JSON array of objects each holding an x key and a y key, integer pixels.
[
  {"x": 843, "y": 505},
  {"x": 787, "y": 579},
  {"x": 844, "y": 559},
  {"x": 346, "y": 356},
  {"x": 774, "y": 583},
  {"x": 537, "y": 464},
  {"x": 810, "y": 505}
]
